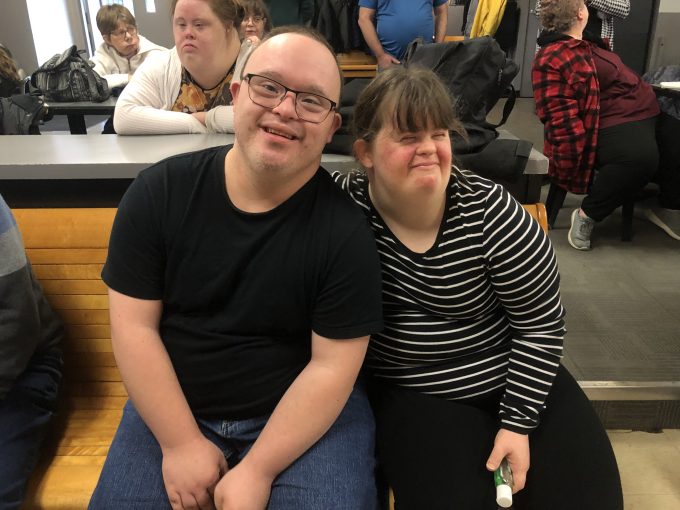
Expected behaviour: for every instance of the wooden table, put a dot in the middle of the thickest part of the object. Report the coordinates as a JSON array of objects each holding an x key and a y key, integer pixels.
[
  {"x": 76, "y": 112},
  {"x": 357, "y": 64}
]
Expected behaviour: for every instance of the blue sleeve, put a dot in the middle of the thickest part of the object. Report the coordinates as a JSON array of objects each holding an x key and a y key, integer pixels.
[{"x": 370, "y": 4}]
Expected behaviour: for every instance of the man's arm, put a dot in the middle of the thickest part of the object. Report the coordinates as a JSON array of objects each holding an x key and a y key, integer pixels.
[
  {"x": 441, "y": 17},
  {"x": 192, "y": 465},
  {"x": 305, "y": 412},
  {"x": 617, "y": 8},
  {"x": 367, "y": 26}
]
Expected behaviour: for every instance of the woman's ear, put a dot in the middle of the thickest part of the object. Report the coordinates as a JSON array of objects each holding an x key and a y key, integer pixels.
[{"x": 363, "y": 153}]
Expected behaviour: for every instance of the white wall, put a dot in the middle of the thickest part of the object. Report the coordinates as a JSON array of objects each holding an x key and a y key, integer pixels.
[
  {"x": 50, "y": 24},
  {"x": 669, "y": 6}
]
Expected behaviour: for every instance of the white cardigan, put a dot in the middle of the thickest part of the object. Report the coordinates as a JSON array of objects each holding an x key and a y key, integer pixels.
[
  {"x": 116, "y": 69},
  {"x": 144, "y": 106}
]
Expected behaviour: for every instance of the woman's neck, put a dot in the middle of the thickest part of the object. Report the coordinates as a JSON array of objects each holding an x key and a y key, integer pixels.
[
  {"x": 415, "y": 220},
  {"x": 209, "y": 77}
]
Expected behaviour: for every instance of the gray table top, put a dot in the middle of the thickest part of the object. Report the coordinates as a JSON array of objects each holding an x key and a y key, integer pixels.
[
  {"x": 81, "y": 106},
  {"x": 109, "y": 157}
]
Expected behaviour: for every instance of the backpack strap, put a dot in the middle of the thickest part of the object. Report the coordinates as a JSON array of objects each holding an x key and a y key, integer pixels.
[{"x": 507, "y": 107}]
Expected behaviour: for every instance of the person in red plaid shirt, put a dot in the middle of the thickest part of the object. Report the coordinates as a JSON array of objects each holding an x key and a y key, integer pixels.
[{"x": 597, "y": 114}]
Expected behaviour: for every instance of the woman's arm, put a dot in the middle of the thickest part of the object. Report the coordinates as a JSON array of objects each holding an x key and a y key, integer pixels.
[{"x": 142, "y": 108}]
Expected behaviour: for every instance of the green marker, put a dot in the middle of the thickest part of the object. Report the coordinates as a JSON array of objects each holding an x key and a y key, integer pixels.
[{"x": 502, "y": 477}]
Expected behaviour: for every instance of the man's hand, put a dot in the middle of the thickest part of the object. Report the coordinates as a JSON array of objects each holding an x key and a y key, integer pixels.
[
  {"x": 190, "y": 473},
  {"x": 516, "y": 448},
  {"x": 386, "y": 60},
  {"x": 243, "y": 488}
]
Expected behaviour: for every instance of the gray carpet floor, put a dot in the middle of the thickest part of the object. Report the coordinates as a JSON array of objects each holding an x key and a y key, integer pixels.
[{"x": 622, "y": 298}]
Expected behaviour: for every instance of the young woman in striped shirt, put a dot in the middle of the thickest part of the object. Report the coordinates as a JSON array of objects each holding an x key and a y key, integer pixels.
[{"x": 467, "y": 370}]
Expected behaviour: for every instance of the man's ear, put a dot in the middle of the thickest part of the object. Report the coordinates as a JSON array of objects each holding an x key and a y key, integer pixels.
[
  {"x": 363, "y": 154},
  {"x": 335, "y": 125},
  {"x": 234, "y": 88}
]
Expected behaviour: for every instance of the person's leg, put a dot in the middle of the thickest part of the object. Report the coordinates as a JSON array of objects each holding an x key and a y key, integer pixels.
[
  {"x": 572, "y": 461},
  {"x": 25, "y": 413},
  {"x": 627, "y": 158},
  {"x": 132, "y": 476},
  {"x": 337, "y": 471},
  {"x": 433, "y": 451}
]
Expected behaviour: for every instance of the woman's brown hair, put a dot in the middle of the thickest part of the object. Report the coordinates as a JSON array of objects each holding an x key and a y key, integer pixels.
[
  {"x": 228, "y": 11},
  {"x": 410, "y": 99},
  {"x": 559, "y": 15}
]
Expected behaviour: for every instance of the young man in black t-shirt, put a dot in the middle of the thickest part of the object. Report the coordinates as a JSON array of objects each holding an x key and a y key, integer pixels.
[{"x": 243, "y": 288}]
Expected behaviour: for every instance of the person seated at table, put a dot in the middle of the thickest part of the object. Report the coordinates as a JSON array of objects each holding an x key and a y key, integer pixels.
[
  {"x": 30, "y": 364},
  {"x": 124, "y": 48},
  {"x": 597, "y": 113},
  {"x": 10, "y": 77},
  {"x": 467, "y": 368},
  {"x": 186, "y": 89},
  {"x": 256, "y": 21}
]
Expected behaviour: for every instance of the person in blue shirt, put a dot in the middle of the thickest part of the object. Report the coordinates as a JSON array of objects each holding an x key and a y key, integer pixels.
[{"x": 389, "y": 25}]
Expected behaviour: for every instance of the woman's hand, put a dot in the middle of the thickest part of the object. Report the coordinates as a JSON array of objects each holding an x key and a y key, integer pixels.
[
  {"x": 515, "y": 447},
  {"x": 243, "y": 488}
]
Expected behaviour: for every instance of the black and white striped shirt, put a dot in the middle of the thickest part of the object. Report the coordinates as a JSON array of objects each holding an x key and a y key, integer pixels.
[{"x": 479, "y": 311}]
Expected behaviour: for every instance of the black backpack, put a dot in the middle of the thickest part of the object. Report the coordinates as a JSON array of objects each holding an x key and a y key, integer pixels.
[
  {"x": 477, "y": 73},
  {"x": 68, "y": 77},
  {"x": 20, "y": 114}
]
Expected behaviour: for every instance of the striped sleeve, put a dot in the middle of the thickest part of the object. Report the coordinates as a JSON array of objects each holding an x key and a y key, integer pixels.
[{"x": 524, "y": 276}]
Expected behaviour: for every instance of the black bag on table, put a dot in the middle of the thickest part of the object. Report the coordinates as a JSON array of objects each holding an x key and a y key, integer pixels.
[
  {"x": 69, "y": 77},
  {"x": 20, "y": 114}
]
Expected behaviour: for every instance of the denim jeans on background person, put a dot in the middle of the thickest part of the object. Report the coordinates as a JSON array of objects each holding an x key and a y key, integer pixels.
[
  {"x": 25, "y": 413},
  {"x": 335, "y": 473}
]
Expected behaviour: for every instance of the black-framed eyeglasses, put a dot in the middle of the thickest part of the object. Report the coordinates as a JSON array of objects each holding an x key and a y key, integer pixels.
[
  {"x": 270, "y": 93},
  {"x": 131, "y": 31}
]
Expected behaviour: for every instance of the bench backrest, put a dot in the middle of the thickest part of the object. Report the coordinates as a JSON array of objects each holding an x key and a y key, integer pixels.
[{"x": 67, "y": 248}]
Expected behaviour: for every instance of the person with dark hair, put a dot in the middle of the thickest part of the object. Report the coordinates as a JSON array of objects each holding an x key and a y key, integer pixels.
[
  {"x": 467, "y": 369},
  {"x": 30, "y": 364},
  {"x": 243, "y": 287},
  {"x": 10, "y": 79},
  {"x": 186, "y": 89},
  {"x": 597, "y": 114},
  {"x": 256, "y": 20},
  {"x": 124, "y": 48}
]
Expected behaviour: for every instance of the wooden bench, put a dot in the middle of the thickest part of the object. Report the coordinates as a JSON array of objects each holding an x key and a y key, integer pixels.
[{"x": 67, "y": 248}]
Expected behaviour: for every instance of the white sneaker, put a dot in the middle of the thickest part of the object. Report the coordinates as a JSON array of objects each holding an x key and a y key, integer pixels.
[
  {"x": 580, "y": 231},
  {"x": 667, "y": 220}
]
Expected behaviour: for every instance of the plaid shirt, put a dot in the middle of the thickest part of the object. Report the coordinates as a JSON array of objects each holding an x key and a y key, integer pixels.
[
  {"x": 567, "y": 96},
  {"x": 609, "y": 9}
]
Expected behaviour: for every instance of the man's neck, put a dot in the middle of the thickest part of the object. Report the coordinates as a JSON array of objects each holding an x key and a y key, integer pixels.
[{"x": 256, "y": 190}]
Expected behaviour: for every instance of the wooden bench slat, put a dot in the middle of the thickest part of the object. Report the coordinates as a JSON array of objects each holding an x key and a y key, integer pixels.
[
  {"x": 96, "y": 389},
  {"x": 58, "y": 287},
  {"x": 86, "y": 331},
  {"x": 79, "y": 302},
  {"x": 67, "y": 255},
  {"x": 94, "y": 374},
  {"x": 99, "y": 317},
  {"x": 68, "y": 271},
  {"x": 89, "y": 359},
  {"x": 65, "y": 228},
  {"x": 85, "y": 345}
]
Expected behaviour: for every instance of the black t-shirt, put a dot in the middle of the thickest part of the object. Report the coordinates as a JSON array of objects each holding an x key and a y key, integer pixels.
[{"x": 242, "y": 292}]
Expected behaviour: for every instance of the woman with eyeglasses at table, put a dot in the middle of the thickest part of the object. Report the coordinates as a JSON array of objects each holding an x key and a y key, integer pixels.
[
  {"x": 124, "y": 48},
  {"x": 186, "y": 89},
  {"x": 256, "y": 21}
]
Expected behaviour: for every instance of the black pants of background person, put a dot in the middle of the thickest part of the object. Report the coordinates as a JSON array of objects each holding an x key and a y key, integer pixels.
[
  {"x": 433, "y": 452},
  {"x": 627, "y": 159},
  {"x": 668, "y": 176}
]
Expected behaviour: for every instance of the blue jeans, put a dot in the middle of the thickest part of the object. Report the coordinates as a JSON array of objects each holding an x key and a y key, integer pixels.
[
  {"x": 25, "y": 413},
  {"x": 335, "y": 473}
]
